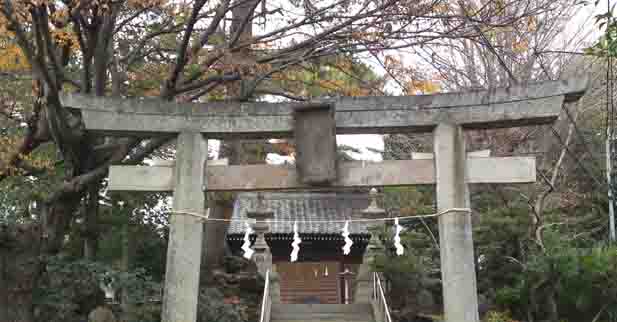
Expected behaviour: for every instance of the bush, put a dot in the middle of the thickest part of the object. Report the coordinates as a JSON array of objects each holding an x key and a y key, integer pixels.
[
  {"x": 493, "y": 316},
  {"x": 578, "y": 283},
  {"x": 212, "y": 308},
  {"x": 71, "y": 289}
]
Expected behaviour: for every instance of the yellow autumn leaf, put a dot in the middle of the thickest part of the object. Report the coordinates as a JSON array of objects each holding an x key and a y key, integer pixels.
[
  {"x": 520, "y": 46},
  {"x": 441, "y": 8},
  {"x": 65, "y": 38},
  {"x": 532, "y": 23},
  {"x": 422, "y": 87},
  {"x": 12, "y": 59}
]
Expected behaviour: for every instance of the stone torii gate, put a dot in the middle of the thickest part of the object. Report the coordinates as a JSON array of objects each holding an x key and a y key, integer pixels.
[{"x": 446, "y": 115}]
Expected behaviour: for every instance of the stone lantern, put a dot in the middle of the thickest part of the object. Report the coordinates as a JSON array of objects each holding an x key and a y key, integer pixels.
[
  {"x": 374, "y": 212},
  {"x": 263, "y": 256},
  {"x": 363, "y": 288}
]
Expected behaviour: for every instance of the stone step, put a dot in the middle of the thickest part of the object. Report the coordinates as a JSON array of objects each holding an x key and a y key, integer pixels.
[
  {"x": 321, "y": 312},
  {"x": 321, "y": 308},
  {"x": 320, "y": 320},
  {"x": 292, "y": 315},
  {"x": 323, "y": 317}
]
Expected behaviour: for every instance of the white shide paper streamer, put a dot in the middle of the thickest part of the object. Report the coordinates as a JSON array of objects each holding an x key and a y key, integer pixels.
[
  {"x": 397, "y": 238},
  {"x": 348, "y": 241},
  {"x": 295, "y": 245},
  {"x": 246, "y": 247}
]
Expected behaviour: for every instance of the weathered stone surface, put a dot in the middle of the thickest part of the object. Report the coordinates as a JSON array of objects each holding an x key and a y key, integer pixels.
[
  {"x": 350, "y": 174},
  {"x": 315, "y": 144},
  {"x": 538, "y": 103},
  {"x": 455, "y": 234},
  {"x": 101, "y": 314},
  {"x": 185, "y": 236},
  {"x": 471, "y": 154},
  {"x": 262, "y": 256}
]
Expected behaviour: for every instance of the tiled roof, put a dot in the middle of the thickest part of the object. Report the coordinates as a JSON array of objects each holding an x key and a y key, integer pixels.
[{"x": 304, "y": 207}]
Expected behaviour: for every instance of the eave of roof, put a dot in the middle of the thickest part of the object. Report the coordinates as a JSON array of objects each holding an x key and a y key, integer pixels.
[{"x": 313, "y": 211}]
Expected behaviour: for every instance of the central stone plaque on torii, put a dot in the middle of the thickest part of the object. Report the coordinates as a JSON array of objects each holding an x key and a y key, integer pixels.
[
  {"x": 315, "y": 138},
  {"x": 451, "y": 169}
]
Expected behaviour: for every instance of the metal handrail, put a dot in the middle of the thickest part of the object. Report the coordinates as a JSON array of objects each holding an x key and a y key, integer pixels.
[
  {"x": 266, "y": 303},
  {"x": 379, "y": 297}
]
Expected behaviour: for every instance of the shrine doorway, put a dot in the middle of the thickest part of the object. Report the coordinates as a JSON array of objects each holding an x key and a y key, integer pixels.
[{"x": 310, "y": 282}]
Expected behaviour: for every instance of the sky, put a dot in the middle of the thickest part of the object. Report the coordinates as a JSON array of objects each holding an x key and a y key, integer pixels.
[{"x": 582, "y": 20}]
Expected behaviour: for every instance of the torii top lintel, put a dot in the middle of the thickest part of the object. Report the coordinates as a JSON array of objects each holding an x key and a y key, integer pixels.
[{"x": 520, "y": 105}]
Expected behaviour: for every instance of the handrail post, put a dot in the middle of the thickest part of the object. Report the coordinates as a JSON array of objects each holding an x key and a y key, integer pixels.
[
  {"x": 265, "y": 302},
  {"x": 380, "y": 299}
]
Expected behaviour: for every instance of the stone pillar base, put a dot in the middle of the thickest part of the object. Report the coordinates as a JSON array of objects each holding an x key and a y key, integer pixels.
[{"x": 363, "y": 287}]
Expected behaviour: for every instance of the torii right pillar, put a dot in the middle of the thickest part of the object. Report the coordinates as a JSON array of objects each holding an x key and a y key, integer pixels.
[{"x": 460, "y": 294}]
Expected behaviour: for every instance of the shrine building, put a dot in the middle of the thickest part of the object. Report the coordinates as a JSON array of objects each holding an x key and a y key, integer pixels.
[{"x": 322, "y": 274}]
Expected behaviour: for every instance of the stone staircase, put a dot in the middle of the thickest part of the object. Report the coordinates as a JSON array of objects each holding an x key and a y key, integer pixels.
[{"x": 321, "y": 312}]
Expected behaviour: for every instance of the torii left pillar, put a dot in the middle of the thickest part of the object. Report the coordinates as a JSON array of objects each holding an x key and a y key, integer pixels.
[{"x": 186, "y": 232}]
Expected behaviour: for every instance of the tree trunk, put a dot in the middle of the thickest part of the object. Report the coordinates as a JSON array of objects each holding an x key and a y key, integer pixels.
[
  {"x": 4, "y": 295},
  {"x": 552, "y": 306},
  {"x": 91, "y": 208},
  {"x": 23, "y": 251},
  {"x": 535, "y": 230},
  {"x": 24, "y": 248},
  {"x": 216, "y": 232}
]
